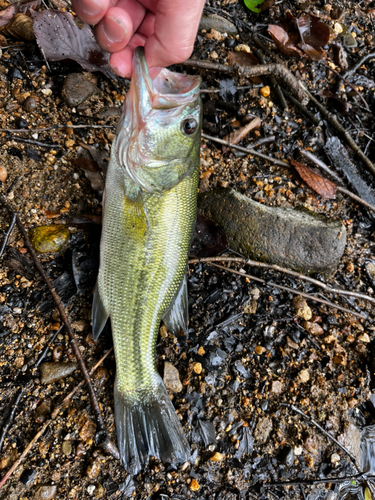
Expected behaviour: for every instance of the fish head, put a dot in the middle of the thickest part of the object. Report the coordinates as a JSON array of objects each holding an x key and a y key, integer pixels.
[{"x": 158, "y": 136}]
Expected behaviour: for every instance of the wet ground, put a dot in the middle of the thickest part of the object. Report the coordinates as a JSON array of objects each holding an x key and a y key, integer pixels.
[{"x": 252, "y": 350}]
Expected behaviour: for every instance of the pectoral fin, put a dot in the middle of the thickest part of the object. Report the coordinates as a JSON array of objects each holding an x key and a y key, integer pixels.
[
  {"x": 176, "y": 317},
  {"x": 99, "y": 315}
]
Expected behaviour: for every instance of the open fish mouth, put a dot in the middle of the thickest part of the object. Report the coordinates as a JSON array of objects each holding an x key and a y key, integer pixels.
[{"x": 157, "y": 101}]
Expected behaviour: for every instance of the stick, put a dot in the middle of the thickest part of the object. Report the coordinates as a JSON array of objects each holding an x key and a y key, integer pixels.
[
  {"x": 7, "y": 234},
  {"x": 10, "y": 417}
]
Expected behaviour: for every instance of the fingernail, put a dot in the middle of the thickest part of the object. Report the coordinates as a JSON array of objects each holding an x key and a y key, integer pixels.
[
  {"x": 91, "y": 7},
  {"x": 114, "y": 30}
]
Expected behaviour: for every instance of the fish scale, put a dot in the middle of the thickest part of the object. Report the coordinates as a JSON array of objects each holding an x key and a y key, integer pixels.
[{"x": 149, "y": 215}]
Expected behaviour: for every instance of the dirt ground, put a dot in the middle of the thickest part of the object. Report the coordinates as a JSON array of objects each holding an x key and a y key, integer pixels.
[{"x": 250, "y": 352}]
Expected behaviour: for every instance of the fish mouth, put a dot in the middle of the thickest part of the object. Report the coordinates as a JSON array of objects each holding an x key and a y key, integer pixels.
[{"x": 166, "y": 90}]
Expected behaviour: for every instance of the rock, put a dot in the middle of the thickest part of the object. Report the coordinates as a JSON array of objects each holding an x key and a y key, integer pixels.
[
  {"x": 351, "y": 440},
  {"x": 87, "y": 432},
  {"x": 277, "y": 387},
  {"x": 77, "y": 89},
  {"x": 93, "y": 469},
  {"x": 29, "y": 104},
  {"x": 171, "y": 378},
  {"x": 218, "y": 23},
  {"x": 197, "y": 368},
  {"x": 304, "y": 376},
  {"x": 67, "y": 448},
  {"x": 301, "y": 307},
  {"x": 263, "y": 429},
  {"x": 302, "y": 241},
  {"x": 28, "y": 476},
  {"x": 57, "y": 353},
  {"x": 45, "y": 492},
  {"x": 217, "y": 457},
  {"x": 42, "y": 412},
  {"x": 194, "y": 485},
  {"x": 3, "y": 173},
  {"x": 49, "y": 238},
  {"x": 51, "y": 372}
]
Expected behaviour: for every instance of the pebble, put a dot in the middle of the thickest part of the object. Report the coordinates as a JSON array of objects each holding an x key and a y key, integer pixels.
[
  {"x": 93, "y": 469},
  {"x": 301, "y": 308},
  {"x": 304, "y": 376},
  {"x": 42, "y": 412},
  {"x": 101, "y": 376},
  {"x": 364, "y": 338},
  {"x": 67, "y": 448},
  {"x": 79, "y": 325},
  {"x": 99, "y": 491},
  {"x": 28, "y": 476},
  {"x": 57, "y": 353},
  {"x": 242, "y": 48},
  {"x": 263, "y": 429},
  {"x": 265, "y": 91},
  {"x": 76, "y": 89},
  {"x": 197, "y": 368},
  {"x": 194, "y": 485},
  {"x": 80, "y": 449},
  {"x": 51, "y": 372},
  {"x": 171, "y": 378},
  {"x": 29, "y": 104},
  {"x": 277, "y": 387},
  {"x": 3, "y": 173},
  {"x": 217, "y": 457},
  {"x": 313, "y": 328},
  {"x": 14, "y": 73},
  {"x": 21, "y": 123},
  {"x": 46, "y": 492},
  {"x": 88, "y": 430},
  {"x": 49, "y": 238}
]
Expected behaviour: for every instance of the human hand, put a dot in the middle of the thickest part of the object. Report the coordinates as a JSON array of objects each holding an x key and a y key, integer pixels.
[{"x": 166, "y": 28}]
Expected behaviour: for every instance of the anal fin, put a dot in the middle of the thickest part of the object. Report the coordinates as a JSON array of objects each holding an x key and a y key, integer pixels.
[
  {"x": 99, "y": 315},
  {"x": 177, "y": 316}
]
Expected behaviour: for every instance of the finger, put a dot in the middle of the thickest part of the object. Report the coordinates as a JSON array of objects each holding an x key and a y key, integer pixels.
[
  {"x": 175, "y": 29},
  {"x": 119, "y": 24},
  {"x": 121, "y": 61},
  {"x": 91, "y": 11}
]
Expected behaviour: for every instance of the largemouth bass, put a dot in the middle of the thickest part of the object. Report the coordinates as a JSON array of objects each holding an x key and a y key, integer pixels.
[{"x": 149, "y": 216}]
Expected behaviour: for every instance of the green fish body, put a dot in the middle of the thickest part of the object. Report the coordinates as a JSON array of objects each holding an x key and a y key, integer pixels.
[{"x": 149, "y": 217}]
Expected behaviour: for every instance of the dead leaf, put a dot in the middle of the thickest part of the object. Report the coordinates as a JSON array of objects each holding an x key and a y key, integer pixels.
[
  {"x": 59, "y": 38},
  {"x": 237, "y": 136},
  {"x": 314, "y": 35},
  {"x": 322, "y": 186},
  {"x": 244, "y": 59},
  {"x": 87, "y": 164},
  {"x": 20, "y": 27},
  {"x": 286, "y": 38},
  {"x": 24, "y": 6}
]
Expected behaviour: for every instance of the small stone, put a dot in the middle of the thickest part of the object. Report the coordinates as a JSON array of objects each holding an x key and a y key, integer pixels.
[
  {"x": 42, "y": 412},
  {"x": 76, "y": 89},
  {"x": 340, "y": 359},
  {"x": 28, "y": 476},
  {"x": 304, "y": 376},
  {"x": 49, "y": 238},
  {"x": 197, "y": 368},
  {"x": 242, "y": 48},
  {"x": 80, "y": 449},
  {"x": 29, "y": 104},
  {"x": 91, "y": 489},
  {"x": 194, "y": 486},
  {"x": 335, "y": 458},
  {"x": 263, "y": 429},
  {"x": 277, "y": 387},
  {"x": 201, "y": 351},
  {"x": 99, "y": 491},
  {"x": 250, "y": 307},
  {"x": 215, "y": 35},
  {"x": 313, "y": 328},
  {"x": 301, "y": 307},
  {"x": 265, "y": 91},
  {"x": 260, "y": 349},
  {"x": 218, "y": 23},
  {"x": 217, "y": 457},
  {"x": 69, "y": 143},
  {"x": 101, "y": 376},
  {"x": 46, "y": 92},
  {"x": 309, "y": 461},
  {"x": 57, "y": 353},
  {"x": 93, "y": 469},
  {"x": 46, "y": 492},
  {"x": 3, "y": 173},
  {"x": 364, "y": 338},
  {"x": 88, "y": 431},
  {"x": 51, "y": 372},
  {"x": 350, "y": 267},
  {"x": 67, "y": 448},
  {"x": 171, "y": 378}
]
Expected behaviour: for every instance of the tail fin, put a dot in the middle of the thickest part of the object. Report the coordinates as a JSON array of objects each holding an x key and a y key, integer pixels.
[{"x": 147, "y": 427}]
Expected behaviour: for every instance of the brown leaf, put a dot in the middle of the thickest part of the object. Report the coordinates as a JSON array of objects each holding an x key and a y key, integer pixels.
[
  {"x": 244, "y": 59},
  {"x": 322, "y": 186},
  {"x": 237, "y": 136},
  {"x": 286, "y": 37},
  {"x": 24, "y": 6},
  {"x": 87, "y": 164},
  {"x": 20, "y": 26},
  {"x": 314, "y": 35}
]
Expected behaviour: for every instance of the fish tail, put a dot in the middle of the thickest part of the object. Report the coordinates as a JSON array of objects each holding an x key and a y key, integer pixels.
[{"x": 147, "y": 426}]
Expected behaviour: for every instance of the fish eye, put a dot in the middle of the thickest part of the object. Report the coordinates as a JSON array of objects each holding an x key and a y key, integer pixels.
[{"x": 189, "y": 126}]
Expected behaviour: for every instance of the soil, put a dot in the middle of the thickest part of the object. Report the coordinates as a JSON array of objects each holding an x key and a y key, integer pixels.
[{"x": 252, "y": 350}]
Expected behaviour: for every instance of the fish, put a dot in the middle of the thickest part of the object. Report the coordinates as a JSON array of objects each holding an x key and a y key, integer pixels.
[{"x": 150, "y": 206}]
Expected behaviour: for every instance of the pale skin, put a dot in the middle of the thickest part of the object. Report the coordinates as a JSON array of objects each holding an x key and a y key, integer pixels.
[{"x": 166, "y": 28}]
